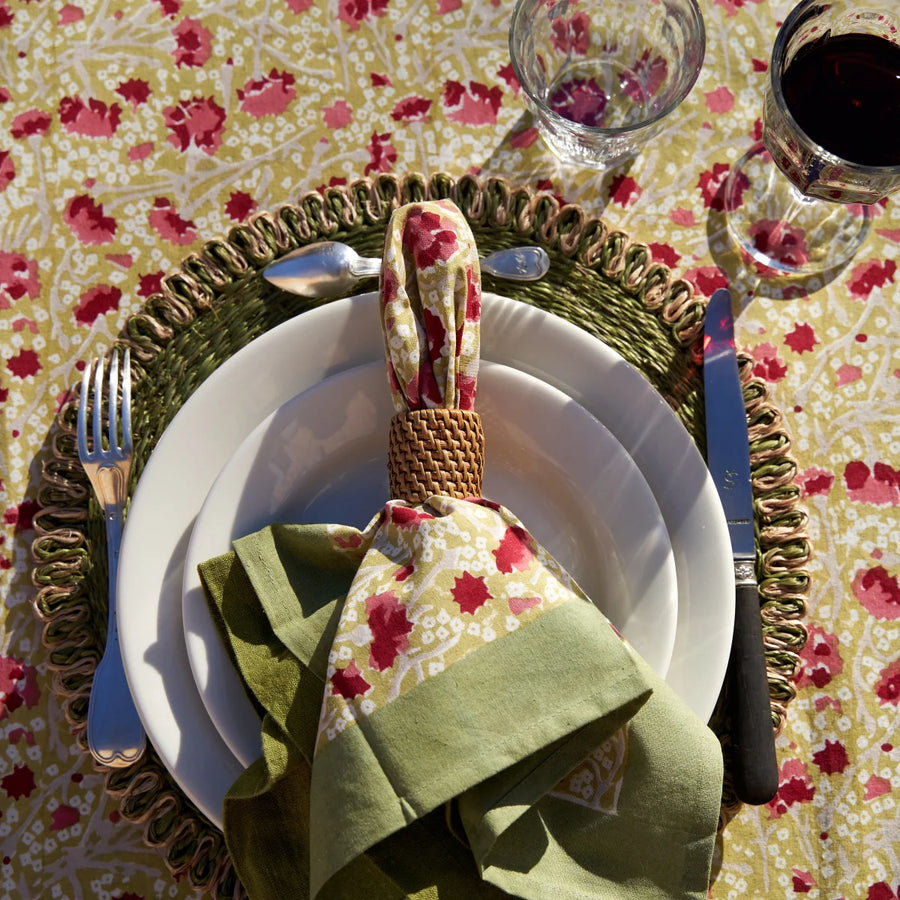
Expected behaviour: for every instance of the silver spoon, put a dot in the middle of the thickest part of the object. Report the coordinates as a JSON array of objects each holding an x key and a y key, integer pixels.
[{"x": 330, "y": 268}]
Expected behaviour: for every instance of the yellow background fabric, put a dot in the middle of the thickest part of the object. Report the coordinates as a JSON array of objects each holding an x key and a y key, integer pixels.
[{"x": 130, "y": 133}]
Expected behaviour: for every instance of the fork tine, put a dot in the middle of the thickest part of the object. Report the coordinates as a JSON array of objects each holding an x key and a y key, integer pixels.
[
  {"x": 113, "y": 400},
  {"x": 126, "y": 402},
  {"x": 82, "y": 411},
  {"x": 97, "y": 435}
]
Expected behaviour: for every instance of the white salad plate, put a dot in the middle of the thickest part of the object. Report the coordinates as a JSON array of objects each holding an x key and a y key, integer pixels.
[
  {"x": 322, "y": 458},
  {"x": 341, "y": 335}
]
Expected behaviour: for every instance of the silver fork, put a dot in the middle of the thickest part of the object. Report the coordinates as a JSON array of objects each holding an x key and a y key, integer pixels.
[{"x": 114, "y": 731}]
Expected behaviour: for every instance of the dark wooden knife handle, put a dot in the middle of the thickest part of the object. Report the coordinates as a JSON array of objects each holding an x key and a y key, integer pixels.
[{"x": 756, "y": 772}]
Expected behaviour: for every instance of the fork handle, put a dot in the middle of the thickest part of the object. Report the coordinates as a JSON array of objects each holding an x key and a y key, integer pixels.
[
  {"x": 114, "y": 519},
  {"x": 115, "y": 734}
]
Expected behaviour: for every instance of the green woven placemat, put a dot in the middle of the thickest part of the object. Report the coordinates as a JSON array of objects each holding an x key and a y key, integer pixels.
[{"x": 218, "y": 301}]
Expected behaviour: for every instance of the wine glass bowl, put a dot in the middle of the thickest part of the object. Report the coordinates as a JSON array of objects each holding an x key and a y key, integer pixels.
[
  {"x": 601, "y": 77},
  {"x": 800, "y": 201}
]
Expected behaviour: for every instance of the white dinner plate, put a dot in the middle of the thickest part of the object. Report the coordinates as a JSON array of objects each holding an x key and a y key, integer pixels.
[
  {"x": 327, "y": 340},
  {"x": 322, "y": 457}
]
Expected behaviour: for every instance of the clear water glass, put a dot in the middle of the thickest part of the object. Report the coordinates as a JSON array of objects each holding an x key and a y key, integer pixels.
[{"x": 601, "y": 77}]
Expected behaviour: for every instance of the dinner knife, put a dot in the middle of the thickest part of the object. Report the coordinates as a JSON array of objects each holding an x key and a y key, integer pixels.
[{"x": 728, "y": 457}]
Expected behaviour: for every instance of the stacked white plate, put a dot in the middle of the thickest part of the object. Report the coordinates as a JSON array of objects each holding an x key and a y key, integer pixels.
[{"x": 294, "y": 427}]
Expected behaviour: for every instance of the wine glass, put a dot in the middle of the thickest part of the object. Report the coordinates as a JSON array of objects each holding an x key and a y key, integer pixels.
[
  {"x": 801, "y": 200},
  {"x": 601, "y": 77}
]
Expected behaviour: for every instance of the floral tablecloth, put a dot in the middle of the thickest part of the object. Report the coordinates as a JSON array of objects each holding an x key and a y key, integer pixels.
[{"x": 130, "y": 133}]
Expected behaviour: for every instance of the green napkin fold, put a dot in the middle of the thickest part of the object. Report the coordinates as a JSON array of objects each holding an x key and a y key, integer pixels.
[{"x": 446, "y": 715}]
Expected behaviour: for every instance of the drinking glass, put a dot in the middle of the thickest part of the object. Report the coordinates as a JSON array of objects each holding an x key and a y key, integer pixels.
[
  {"x": 801, "y": 200},
  {"x": 600, "y": 76}
]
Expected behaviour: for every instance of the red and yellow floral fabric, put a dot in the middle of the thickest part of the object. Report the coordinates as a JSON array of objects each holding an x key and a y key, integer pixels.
[{"x": 132, "y": 132}]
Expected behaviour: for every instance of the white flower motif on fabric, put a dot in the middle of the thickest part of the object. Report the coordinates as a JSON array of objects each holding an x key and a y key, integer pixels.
[{"x": 597, "y": 782}]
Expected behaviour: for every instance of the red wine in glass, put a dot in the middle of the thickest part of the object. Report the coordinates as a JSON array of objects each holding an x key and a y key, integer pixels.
[{"x": 844, "y": 91}]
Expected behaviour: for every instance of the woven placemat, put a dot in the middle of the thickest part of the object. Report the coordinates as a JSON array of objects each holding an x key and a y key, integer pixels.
[{"x": 217, "y": 302}]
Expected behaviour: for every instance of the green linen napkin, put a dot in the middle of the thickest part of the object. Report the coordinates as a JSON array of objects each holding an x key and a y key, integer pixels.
[
  {"x": 570, "y": 769},
  {"x": 445, "y": 714}
]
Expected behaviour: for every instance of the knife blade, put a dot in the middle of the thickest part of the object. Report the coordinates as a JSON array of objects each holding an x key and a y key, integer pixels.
[{"x": 728, "y": 458}]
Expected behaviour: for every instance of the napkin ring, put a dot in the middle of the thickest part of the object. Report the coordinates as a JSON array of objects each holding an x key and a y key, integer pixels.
[{"x": 435, "y": 451}]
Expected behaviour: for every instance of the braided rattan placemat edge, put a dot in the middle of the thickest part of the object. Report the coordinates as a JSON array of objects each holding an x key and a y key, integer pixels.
[{"x": 216, "y": 302}]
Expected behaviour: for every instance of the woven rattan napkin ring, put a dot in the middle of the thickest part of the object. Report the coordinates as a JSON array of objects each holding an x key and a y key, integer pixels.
[{"x": 435, "y": 451}]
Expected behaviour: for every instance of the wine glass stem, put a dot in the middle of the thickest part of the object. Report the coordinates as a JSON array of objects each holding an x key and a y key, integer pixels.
[{"x": 797, "y": 201}]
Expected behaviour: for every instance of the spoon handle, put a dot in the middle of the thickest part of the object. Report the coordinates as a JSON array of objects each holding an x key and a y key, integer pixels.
[
  {"x": 365, "y": 267},
  {"x": 513, "y": 264}
]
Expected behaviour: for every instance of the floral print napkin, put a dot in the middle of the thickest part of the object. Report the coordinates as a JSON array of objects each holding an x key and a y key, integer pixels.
[
  {"x": 445, "y": 713},
  {"x": 431, "y": 307}
]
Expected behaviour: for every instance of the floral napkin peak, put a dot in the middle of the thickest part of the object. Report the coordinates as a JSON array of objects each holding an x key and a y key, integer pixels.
[{"x": 431, "y": 307}]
